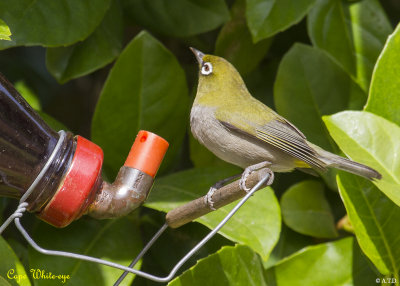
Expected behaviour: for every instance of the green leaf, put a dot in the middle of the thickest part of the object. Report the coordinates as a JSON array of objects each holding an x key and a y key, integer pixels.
[
  {"x": 11, "y": 269},
  {"x": 332, "y": 263},
  {"x": 235, "y": 44},
  {"x": 306, "y": 210},
  {"x": 328, "y": 31},
  {"x": 373, "y": 141},
  {"x": 179, "y": 18},
  {"x": 51, "y": 23},
  {"x": 353, "y": 33},
  {"x": 310, "y": 83},
  {"x": 237, "y": 265},
  {"x": 375, "y": 220},
  {"x": 289, "y": 242},
  {"x": 4, "y": 282},
  {"x": 99, "y": 49},
  {"x": 28, "y": 94},
  {"x": 384, "y": 97},
  {"x": 146, "y": 89},
  {"x": 257, "y": 224},
  {"x": 265, "y": 18},
  {"x": 32, "y": 99},
  {"x": 20, "y": 248},
  {"x": 116, "y": 240},
  {"x": 175, "y": 244},
  {"x": 5, "y": 32}
]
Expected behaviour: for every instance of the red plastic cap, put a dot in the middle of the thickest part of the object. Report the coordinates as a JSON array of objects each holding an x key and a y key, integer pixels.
[
  {"x": 147, "y": 153},
  {"x": 72, "y": 196}
]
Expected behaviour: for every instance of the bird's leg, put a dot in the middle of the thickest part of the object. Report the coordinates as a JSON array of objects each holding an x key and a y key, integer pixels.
[
  {"x": 208, "y": 198},
  {"x": 255, "y": 167}
]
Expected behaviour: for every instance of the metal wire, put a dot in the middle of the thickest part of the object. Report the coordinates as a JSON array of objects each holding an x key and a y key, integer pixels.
[
  {"x": 18, "y": 213},
  {"x": 200, "y": 244},
  {"x": 22, "y": 206},
  {"x": 138, "y": 272},
  {"x": 143, "y": 252}
]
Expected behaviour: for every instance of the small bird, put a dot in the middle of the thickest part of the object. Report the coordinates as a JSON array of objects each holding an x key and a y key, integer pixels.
[{"x": 241, "y": 130}]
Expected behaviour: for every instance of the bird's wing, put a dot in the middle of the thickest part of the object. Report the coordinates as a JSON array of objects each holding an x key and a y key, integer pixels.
[
  {"x": 285, "y": 136},
  {"x": 281, "y": 134}
]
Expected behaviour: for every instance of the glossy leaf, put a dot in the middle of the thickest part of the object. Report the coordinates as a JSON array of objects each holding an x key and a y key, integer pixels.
[
  {"x": 5, "y": 32},
  {"x": 146, "y": 89},
  {"x": 370, "y": 28},
  {"x": 116, "y": 240},
  {"x": 318, "y": 86},
  {"x": 4, "y": 282},
  {"x": 99, "y": 49},
  {"x": 375, "y": 220},
  {"x": 51, "y": 23},
  {"x": 237, "y": 265},
  {"x": 384, "y": 97},
  {"x": 306, "y": 210},
  {"x": 371, "y": 140},
  {"x": 28, "y": 94},
  {"x": 34, "y": 102},
  {"x": 332, "y": 263},
  {"x": 11, "y": 269},
  {"x": 357, "y": 33},
  {"x": 235, "y": 44},
  {"x": 289, "y": 243},
  {"x": 327, "y": 17},
  {"x": 179, "y": 18},
  {"x": 175, "y": 244},
  {"x": 257, "y": 224},
  {"x": 32, "y": 99},
  {"x": 265, "y": 18}
]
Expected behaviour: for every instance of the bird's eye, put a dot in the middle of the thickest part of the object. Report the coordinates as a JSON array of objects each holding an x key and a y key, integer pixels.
[{"x": 206, "y": 69}]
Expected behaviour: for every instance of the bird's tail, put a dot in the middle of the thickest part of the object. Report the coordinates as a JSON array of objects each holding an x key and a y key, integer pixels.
[{"x": 338, "y": 162}]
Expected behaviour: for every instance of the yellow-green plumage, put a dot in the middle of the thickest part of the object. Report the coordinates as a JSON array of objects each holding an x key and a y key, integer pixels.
[{"x": 243, "y": 131}]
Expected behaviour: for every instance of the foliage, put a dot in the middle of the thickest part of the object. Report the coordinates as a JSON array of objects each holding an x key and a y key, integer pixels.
[{"x": 107, "y": 68}]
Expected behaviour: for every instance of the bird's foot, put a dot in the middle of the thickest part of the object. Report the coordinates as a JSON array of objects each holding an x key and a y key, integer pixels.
[
  {"x": 264, "y": 171},
  {"x": 208, "y": 197}
]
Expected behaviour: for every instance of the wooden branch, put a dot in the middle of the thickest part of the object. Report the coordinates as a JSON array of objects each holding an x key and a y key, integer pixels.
[{"x": 221, "y": 197}]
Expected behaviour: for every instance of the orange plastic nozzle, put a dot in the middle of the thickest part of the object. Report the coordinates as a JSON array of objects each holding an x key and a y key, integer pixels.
[{"x": 147, "y": 152}]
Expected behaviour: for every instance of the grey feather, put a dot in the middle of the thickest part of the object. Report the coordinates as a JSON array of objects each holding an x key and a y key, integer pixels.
[
  {"x": 338, "y": 162},
  {"x": 286, "y": 138},
  {"x": 291, "y": 140}
]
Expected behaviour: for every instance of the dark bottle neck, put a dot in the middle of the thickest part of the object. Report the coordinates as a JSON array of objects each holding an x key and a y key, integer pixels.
[{"x": 26, "y": 143}]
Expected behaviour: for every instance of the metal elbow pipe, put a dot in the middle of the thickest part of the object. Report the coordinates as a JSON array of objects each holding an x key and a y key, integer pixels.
[
  {"x": 129, "y": 190},
  {"x": 134, "y": 180},
  {"x": 83, "y": 191}
]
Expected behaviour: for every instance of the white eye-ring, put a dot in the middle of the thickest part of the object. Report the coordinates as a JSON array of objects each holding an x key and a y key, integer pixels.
[{"x": 207, "y": 68}]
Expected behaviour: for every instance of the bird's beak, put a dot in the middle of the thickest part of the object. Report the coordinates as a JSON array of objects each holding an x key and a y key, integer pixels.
[{"x": 199, "y": 55}]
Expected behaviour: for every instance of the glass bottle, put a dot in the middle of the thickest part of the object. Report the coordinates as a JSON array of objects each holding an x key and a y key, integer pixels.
[{"x": 72, "y": 185}]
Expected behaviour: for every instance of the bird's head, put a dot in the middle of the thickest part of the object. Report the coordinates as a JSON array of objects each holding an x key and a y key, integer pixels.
[{"x": 217, "y": 75}]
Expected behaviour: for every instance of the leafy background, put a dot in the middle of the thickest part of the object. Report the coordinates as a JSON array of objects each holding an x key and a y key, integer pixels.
[{"x": 107, "y": 68}]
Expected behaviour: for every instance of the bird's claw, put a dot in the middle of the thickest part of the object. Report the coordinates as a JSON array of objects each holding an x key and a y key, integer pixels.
[
  {"x": 260, "y": 166},
  {"x": 208, "y": 198},
  {"x": 242, "y": 182}
]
